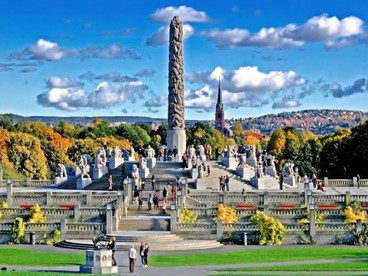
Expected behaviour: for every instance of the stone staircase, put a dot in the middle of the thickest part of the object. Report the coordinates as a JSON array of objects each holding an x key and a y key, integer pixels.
[
  {"x": 217, "y": 170},
  {"x": 145, "y": 223}
]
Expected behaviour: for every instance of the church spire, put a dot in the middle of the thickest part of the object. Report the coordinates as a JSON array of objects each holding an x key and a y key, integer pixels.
[{"x": 219, "y": 96}]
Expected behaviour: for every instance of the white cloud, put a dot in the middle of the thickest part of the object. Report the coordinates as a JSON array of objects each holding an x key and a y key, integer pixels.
[
  {"x": 62, "y": 82},
  {"x": 61, "y": 93},
  {"x": 286, "y": 103},
  {"x": 46, "y": 50},
  {"x": 161, "y": 36},
  {"x": 243, "y": 87},
  {"x": 335, "y": 33},
  {"x": 186, "y": 14},
  {"x": 156, "y": 101}
]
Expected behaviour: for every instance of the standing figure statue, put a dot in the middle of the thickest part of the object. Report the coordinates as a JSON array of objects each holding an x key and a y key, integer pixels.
[{"x": 84, "y": 167}]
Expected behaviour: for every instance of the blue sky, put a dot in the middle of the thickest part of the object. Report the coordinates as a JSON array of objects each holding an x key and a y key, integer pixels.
[{"x": 106, "y": 58}]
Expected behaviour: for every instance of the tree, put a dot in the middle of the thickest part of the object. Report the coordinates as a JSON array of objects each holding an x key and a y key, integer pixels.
[
  {"x": 80, "y": 147},
  {"x": 277, "y": 142}
]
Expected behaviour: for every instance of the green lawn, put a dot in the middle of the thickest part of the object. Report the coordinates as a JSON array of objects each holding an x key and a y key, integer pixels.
[
  {"x": 261, "y": 255},
  {"x": 345, "y": 266},
  {"x": 26, "y": 257}
]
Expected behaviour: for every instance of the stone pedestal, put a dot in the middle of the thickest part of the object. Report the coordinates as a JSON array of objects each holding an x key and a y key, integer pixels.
[
  {"x": 229, "y": 163},
  {"x": 143, "y": 173},
  {"x": 271, "y": 170},
  {"x": 201, "y": 184},
  {"x": 98, "y": 262},
  {"x": 264, "y": 183},
  {"x": 99, "y": 172},
  {"x": 252, "y": 161},
  {"x": 177, "y": 137},
  {"x": 59, "y": 180},
  {"x": 290, "y": 180},
  {"x": 245, "y": 173},
  {"x": 151, "y": 163},
  {"x": 115, "y": 162},
  {"x": 194, "y": 173},
  {"x": 83, "y": 182}
]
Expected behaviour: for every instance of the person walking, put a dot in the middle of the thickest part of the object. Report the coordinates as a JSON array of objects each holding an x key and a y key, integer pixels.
[
  {"x": 141, "y": 253},
  {"x": 155, "y": 202},
  {"x": 110, "y": 182},
  {"x": 145, "y": 253},
  {"x": 149, "y": 202},
  {"x": 164, "y": 195},
  {"x": 358, "y": 180},
  {"x": 112, "y": 246},
  {"x": 132, "y": 254},
  {"x": 153, "y": 181},
  {"x": 208, "y": 170}
]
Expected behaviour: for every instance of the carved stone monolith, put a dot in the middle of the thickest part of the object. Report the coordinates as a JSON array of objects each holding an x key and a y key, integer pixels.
[{"x": 176, "y": 133}]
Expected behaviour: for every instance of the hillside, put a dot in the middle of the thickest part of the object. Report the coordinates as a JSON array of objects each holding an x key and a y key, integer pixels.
[{"x": 319, "y": 121}]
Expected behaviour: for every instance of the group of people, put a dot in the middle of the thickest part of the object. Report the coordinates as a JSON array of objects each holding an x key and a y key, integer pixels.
[
  {"x": 132, "y": 253},
  {"x": 224, "y": 182}
]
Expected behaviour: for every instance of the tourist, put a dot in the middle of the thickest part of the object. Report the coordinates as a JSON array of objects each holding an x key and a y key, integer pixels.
[
  {"x": 153, "y": 181},
  {"x": 110, "y": 182},
  {"x": 136, "y": 195},
  {"x": 227, "y": 182},
  {"x": 173, "y": 193},
  {"x": 145, "y": 253},
  {"x": 221, "y": 182},
  {"x": 281, "y": 181},
  {"x": 163, "y": 208},
  {"x": 155, "y": 202},
  {"x": 140, "y": 203},
  {"x": 164, "y": 195},
  {"x": 149, "y": 202},
  {"x": 141, "y": 253},
  {"x": 111, "y": 245},
  {"x": 358, "y": 180},
  {"x": 132, "y": 254},
  {"x": 243, "y": 191},
  {"x": 208, "y": 170},
  {"x": 320, "y": 187},
  {"x": 175, "y": 153}
]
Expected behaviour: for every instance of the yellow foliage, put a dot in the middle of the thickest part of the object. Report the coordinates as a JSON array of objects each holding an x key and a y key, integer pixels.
[
  {"x": 351, "y": 216},
  {"x": 187, "y": 216},
  {"x": 37, "y": 215},
  {"x": 3, "y": 204},
  {"x": 226, "y": 214}
]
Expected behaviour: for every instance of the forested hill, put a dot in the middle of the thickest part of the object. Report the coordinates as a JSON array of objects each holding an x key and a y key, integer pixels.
[{"x": 319, "y": 121}]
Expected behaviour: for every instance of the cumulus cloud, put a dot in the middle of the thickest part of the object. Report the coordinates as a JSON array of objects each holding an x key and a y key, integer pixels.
[
  {"x": 286, "y": 102},
  {"x": 108, "y": 52},
  {"x": 45, "y": 50},
  {"x": 243, "y": 87},
  {"x": 333, "y": 32},
  {"x": 157, "y": 101},
  {"x": 113, "y": 77},
  {"x": 359, "y": 86},
  {"x": 161, "y": 36},
  {"x": 28, "y": 69},
  {"x": 65, "y": 94},
  {"x": 186, "y": 14}
]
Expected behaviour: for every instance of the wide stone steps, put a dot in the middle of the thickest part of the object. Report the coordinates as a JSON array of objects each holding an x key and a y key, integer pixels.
[
  {"x": 145, "y": 223},
  {"x": 159, "y": 241}
]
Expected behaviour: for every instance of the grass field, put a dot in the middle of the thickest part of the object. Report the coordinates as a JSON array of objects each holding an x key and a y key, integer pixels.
[
  {"x": 261, "y": 255},
  {"x": 26, "y": 257}
]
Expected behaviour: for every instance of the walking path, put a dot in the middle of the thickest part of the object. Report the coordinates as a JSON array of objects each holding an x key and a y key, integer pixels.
[{"x": 122, "y": 259}]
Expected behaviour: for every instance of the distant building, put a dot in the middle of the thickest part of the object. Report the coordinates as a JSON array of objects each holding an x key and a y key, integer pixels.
[{"x": 220, "y": 115}]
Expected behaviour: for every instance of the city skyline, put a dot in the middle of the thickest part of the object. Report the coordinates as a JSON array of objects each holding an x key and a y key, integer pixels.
[{"x": 92, "y": 58}]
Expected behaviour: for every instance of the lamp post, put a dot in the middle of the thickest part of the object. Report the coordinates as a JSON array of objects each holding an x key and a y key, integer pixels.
[{"x": 312, "y": 222}]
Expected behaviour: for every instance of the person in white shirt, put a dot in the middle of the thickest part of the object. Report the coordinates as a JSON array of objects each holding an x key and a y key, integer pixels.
[{"x": 132, "y": 254}]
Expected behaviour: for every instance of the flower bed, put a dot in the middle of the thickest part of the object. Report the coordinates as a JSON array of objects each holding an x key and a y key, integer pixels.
[
  {"x": 286, "y": 206},
  {"x": 66, "y": 207},
  {"x": 327, "y": 207},
  {"x": 246, "y": 207}
]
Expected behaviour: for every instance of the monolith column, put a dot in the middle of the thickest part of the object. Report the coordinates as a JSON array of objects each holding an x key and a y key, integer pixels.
[{"x": 176, "y": 137}]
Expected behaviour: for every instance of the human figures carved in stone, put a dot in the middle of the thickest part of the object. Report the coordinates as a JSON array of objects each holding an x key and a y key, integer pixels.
[
  {"x": 150, "y": 152},
  {"x": 143, "y": 163},
  {"x": 242, "y": 161},
  {"x": 84, "y": 166},
  {"x": 288, "y": 170},
  {"x": 176, "y": 83},
  {"x": 61, "y": 171}
]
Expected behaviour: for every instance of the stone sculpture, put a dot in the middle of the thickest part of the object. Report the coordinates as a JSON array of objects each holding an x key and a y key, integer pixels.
[{"x": 176, "y": 76}]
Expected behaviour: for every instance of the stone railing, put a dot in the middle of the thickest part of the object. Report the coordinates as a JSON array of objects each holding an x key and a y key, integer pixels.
[
  {"x": 287, "y": 213},
  {"x": 322, "y": 198},
  {"x": 290, "y": 198},
  {"x": 192, "y": 202},
  {"x": 248, "y": 197},
  {"x": 29, "y": 183},
  {"x": 200, "y": 227}
]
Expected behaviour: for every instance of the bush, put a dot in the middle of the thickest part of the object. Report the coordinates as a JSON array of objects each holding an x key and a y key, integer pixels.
[
  {"x": 37, "y": 215},
  {"x": 351, "y": 215},
  {"x": 226, "y": 214},
  {"x": 18, "y": 230},
  {"x": 272, "y": 232},
  {"x": 187, "y": 216}
]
